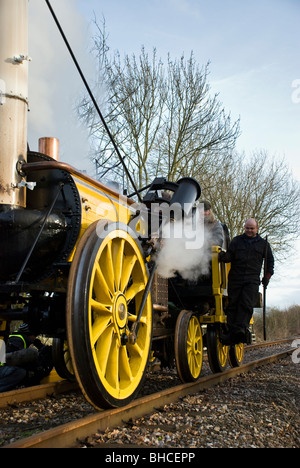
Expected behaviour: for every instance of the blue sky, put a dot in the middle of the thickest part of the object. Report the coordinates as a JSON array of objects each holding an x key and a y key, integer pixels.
[{"x": 253, "y": 47}]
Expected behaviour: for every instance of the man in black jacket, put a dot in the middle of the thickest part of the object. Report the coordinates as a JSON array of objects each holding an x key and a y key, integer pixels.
[{"x": 246, "y": 254}]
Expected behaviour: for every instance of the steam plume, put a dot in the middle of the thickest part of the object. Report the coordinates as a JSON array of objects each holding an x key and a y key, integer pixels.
[
  {"x": 54, "y": 86},
  {"x": 186, "y": 249}
]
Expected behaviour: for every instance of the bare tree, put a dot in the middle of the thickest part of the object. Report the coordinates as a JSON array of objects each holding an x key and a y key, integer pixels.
[
  {"x": 196, "y": 131},
  {"x": 261, "y": 187},
  {"x": 166, "y": 123},
  {"x": 163, "y": 118}
]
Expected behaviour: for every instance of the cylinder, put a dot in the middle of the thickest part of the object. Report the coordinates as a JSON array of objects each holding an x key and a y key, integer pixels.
[
  {"x": 13, "y": 98},
  {"x": 187, "y": 193},
  {"x": 50, "y": 147}
]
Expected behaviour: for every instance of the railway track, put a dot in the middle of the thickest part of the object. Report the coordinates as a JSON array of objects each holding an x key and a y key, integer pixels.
[
  {"x": 68, "y": 434},
  {"x": 58, "y": 387}
]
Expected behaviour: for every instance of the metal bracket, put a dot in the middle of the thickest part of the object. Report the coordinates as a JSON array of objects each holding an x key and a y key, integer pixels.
[
  {"x": 29, "y": 185},
  {"x": 20, "y": 58}
]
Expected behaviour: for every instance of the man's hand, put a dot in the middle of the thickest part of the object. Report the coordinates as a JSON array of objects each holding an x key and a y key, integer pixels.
[{"x": 266, "y": 280}]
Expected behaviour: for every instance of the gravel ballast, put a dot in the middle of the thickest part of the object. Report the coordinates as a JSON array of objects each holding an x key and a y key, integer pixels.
[{"x": 259, "y": 409}]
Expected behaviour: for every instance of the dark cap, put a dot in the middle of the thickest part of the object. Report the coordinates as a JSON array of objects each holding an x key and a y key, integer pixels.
[
  {"x": 25, "y": 329},
  {"x": 207, "y": 205}
]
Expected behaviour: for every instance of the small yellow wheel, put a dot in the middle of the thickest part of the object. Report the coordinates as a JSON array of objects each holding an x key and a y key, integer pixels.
[
  {"x": 236, "y": 355},
  {"x": 188, "y": 346},
  {"x": 107, "y": 280},
  {"x": 217, "y": 352}
]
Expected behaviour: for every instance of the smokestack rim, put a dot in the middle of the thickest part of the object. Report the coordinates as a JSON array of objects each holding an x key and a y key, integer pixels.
[{"x": 195, "y": 182}]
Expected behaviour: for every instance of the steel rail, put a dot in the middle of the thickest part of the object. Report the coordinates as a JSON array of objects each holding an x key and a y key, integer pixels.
[
  {"x": 37, "y": 392},
  {"x": 67, "y": 435},
  {"x": 62, "y": 386}
]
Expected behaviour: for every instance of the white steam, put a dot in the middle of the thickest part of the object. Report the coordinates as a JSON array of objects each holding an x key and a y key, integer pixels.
[
  {"x": 54, "y": 83},
  {"x": 186, "y": 249}
]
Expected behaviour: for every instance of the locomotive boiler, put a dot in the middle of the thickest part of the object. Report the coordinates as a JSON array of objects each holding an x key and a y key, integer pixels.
[{"x": 76, "y": 261}]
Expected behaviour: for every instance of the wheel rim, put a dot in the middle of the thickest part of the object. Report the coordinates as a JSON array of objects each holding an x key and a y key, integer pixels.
[
  {"x": 194, "y": 347},
  {"x": 117, "y": 284}
]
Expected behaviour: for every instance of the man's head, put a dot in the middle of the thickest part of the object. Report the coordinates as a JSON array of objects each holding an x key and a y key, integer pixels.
[
  {"x": 24, "y": 329},
  {"x": 251, "y": 227},
  {"x": 206, "y": 207},
  {"x": 209, "y": 216}
]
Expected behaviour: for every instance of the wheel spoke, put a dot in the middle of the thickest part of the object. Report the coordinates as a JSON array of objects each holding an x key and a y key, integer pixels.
[
  {"x": 101, "y": 288},
  {"x": 99, "y": 326},
  {"x": 100, "y": 307},
  {"x": 103, "y": 348},
  {"x": 133, "y": 290},
  {"x": 133, "y": 318},
  {"x": 128, "y": 266},
  {"x": 112, "y": 369},
  {"x": 191, "y": 362},
  {"x": 118, "y": 257},
  {"x": 125, "y": 369},
  {"x": 106, "y": 265},
  {"x": 135, "y": 350}
]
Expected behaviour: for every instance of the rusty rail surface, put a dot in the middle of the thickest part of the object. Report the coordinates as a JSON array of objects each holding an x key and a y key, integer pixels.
[{"x": 38, "y": 392}]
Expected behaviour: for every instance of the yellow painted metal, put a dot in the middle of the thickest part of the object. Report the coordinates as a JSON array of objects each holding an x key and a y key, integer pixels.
[
  {"x": 99, "y": 204},
  {"x": 217, "y": 351},
  {"x": 118, "y": 281},
  {"x": 220, "y": 272},
  {"x": 236, "y": 355},
  {"x": 239, "y": 351},
  {"x": 52, "y": 377},
  {"x": 222, "y": 351}
]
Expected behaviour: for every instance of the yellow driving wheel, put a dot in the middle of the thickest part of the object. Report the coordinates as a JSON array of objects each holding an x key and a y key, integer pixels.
[
  {"x": 107, "y": 280},
  {"x": 216, "y": 351},
  {"x": 188, "y": 346},
  {"x": 236, "y": 355}
]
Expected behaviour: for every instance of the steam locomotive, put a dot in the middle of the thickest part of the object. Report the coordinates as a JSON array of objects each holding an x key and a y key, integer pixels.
[{"x": 76, "y": 261}]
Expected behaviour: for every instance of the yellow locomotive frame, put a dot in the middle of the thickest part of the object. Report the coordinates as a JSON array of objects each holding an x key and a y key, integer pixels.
[
  {"x": 220, "y": 272},
  {"x": 218, "y": 353}
]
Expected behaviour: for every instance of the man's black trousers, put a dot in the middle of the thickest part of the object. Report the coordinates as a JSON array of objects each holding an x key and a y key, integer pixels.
[{"x": 242, "y": 300}]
